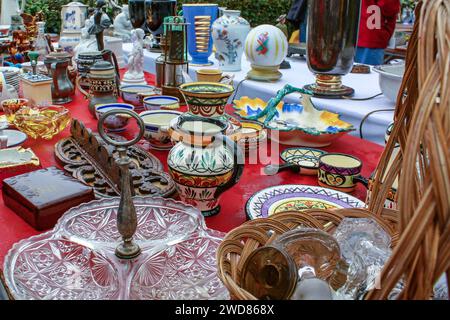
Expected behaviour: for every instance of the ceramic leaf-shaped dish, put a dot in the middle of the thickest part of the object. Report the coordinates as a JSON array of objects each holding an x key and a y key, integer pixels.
[{"x": 298, "y": 124}]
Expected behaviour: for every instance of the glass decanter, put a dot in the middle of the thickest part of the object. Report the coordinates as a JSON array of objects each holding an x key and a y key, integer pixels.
[{"x": 41, "y": 44}]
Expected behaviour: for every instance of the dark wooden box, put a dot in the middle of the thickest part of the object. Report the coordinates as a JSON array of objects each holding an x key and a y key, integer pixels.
[{"x": 41, "y": 197}]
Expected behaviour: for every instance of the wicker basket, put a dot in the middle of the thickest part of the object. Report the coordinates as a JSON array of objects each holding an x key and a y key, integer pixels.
[
  {"x": 242, "y": 241},
  {"x": 421, "y": 226}
]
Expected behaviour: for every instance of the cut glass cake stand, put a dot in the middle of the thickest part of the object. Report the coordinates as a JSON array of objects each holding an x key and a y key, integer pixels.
[{"x": 76, "y": 260}]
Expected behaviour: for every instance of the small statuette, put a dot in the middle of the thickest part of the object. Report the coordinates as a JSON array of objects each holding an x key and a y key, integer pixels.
[
  {"x": 101, "y": 23},
  {"x": 135, "y": 73},
  {"x": 122, "y": 25}
]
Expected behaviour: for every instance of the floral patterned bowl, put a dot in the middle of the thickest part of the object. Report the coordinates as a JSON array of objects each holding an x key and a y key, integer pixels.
[{"x": 297, "y": 124}]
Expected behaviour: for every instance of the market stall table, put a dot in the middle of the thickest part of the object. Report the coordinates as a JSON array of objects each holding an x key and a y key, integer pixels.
[
  {"x": 232, "y": 202},
  {"x": 354, "y": 112}
]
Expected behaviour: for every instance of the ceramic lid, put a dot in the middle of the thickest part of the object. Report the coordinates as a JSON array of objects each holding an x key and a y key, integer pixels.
[{"x": 102, "y": 66}]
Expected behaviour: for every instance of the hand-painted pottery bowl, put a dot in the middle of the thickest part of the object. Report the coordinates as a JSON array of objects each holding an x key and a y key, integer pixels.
[
  {"x": 292, "y": 125},
  {"x": 157, "y": 124},
  {"x": 114, "y": 123},
  {"x": 161, "y": 102},
  {"x": 131, "y": 93},
  {"x": 306, "y": 158},
  {"x": 339, "y": 171},
  {"x": 252, "y": 134},
  {"x": 206, "y": 99}
]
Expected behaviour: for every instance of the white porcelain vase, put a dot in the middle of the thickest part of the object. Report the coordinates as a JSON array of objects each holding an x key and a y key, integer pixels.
[{"x": 229, "y": 33}]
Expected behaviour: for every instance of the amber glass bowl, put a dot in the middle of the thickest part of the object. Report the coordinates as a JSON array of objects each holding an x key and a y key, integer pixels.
[
  {"x": 11, "y": 106},
  {"x": 42, "y": 122}
]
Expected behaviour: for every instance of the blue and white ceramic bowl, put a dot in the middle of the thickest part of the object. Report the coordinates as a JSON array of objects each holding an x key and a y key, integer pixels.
[
  {"x": 116, "y": 123},
  {"x": 131, "y": 93},
  {"x": 156, "y": 127},
  {"x": 161, "y": 102}
]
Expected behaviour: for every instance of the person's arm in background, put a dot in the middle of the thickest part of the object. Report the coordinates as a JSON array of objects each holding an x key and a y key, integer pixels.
[{"x": 389, "y": 12}]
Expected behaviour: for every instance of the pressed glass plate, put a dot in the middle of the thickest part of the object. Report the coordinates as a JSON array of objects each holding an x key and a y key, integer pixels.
[{"x": 76, "y": 259}]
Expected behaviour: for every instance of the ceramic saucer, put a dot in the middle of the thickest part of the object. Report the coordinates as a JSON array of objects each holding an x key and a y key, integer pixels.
[
  {"x": 297, "y": 197},
  {"x": 15, "y": 137}
]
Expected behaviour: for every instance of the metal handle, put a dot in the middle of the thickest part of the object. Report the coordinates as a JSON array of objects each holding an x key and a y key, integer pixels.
[
  {"x": 272, "y": 169},
  {"x": 362, "y": 180},
  {"x": 126, "y": 213},
  {"x": 55, "y": 79},
  {"x": 105, "y": 137},
  {"x": 83, "y": 92}
]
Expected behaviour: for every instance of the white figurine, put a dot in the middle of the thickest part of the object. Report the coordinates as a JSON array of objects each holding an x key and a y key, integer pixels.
[
  {"x": 135, "y": 73},
  {"x": 122, "y": 25},
  {"x": 87, "y": 43}
]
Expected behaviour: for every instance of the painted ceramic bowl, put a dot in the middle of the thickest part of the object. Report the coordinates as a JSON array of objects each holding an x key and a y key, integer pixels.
[
  {"x": 115, "y": 123},
  {"x": 292, "y": 125},
  {"x": 161, "y": 102},
  {"x": 131, "y": 93},
  {"x": 206, "y": 99},
  {"x": 252, "y": 135},
  {"x": 157, "y": 124},
  {"x": 339, "y": 171}
]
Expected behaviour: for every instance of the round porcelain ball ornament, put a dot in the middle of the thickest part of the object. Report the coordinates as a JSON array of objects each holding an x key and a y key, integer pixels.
[{"x": 266, "y": 47}]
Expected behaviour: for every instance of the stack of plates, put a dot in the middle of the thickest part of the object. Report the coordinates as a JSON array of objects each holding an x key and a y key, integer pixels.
[{"x": 11, "y": 76}]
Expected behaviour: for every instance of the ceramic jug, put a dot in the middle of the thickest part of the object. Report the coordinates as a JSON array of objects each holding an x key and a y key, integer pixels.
[
  {"x": 229, "y": 33},
  {"x": 204, "y": 163},
  {"x": 103, "y": 86},
  {"x": 62, "y": 87},
  {"x": 86, "y": 59}
]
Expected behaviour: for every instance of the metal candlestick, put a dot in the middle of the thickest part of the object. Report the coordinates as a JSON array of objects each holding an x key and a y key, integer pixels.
[{"x": 126, "y": 214}]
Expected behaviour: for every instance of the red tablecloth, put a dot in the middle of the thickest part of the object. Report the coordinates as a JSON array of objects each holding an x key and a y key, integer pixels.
[{"x": 13, "y": 228}]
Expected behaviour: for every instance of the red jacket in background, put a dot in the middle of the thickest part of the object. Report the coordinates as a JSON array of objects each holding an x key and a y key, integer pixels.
[{"x": 378, "y": 38}]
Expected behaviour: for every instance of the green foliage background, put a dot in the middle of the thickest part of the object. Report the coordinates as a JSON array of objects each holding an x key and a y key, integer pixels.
[{"x": 255, "y": 11}]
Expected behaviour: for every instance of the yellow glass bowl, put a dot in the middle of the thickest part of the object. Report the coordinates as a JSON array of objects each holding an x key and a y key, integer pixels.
[{"x": 42, "y": 122}]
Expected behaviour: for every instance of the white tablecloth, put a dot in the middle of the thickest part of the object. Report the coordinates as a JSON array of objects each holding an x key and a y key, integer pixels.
[{"x": 365, "y": 85}]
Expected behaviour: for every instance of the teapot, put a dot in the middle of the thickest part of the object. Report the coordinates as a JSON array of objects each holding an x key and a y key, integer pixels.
[
  {"x": 205, "y": 162},
  {"x": 103, "y": 85}
]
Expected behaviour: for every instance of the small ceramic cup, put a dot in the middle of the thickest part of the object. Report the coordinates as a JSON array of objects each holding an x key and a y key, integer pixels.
[
  {"x": 157, "y": 124},
  {"x": 213, "y": 75},
  {"x": 132, "y": 93},
  {"x": 114, "y": 123},
  {"x": 340, "y": 172},
  {"x": 11, "y": 106},
  {"x": 161, "y": 102}
]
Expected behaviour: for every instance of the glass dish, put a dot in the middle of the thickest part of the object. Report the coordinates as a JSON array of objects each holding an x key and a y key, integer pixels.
[
  {"x": 76, "y": 259},
  {"x": 43, "y": 122}
]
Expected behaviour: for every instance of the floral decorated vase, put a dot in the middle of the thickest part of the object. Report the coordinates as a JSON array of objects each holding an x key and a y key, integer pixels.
[
  {"x": 229, "y": 33},
  {"x": 204, "y": 163},
  {"x": 200, "y": 18}
]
